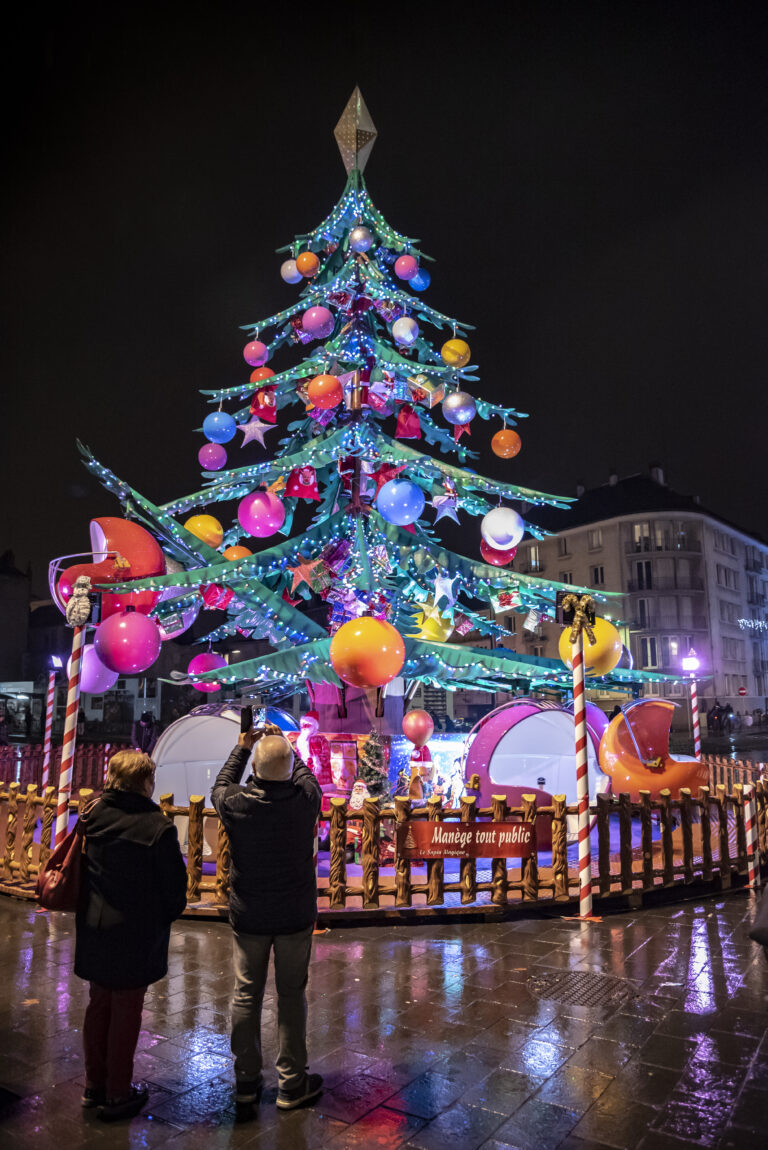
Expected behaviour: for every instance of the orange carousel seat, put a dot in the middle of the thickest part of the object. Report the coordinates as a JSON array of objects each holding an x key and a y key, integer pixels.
[{"x": 634, "y": 751}]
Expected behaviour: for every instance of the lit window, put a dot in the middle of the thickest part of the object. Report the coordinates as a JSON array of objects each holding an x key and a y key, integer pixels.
[{"x": 595, "y": 538}]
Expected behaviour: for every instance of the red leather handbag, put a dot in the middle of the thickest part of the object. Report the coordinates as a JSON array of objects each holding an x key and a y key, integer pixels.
[{"x": 58, "y": 883}]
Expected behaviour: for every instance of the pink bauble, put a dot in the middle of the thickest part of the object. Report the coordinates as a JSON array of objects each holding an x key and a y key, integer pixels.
[
  {"x": 95, "y": 678},
  {"x": 318, "y": 322},
  {"x": 261, "y": 513},
  {"x": 418, "y": 727},
  {"x": 208, "y": 661},
  {"x": 406, "y": 267},
  {"x": 127, "y": 643},
  {"x": 212, "y": 457},
  {"x": 256, "y": 353}
]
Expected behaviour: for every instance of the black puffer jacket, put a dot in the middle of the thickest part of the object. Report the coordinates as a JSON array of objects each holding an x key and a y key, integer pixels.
[
  {"x": 271, "y": 828},
  {"x": 134, "y": 885}
]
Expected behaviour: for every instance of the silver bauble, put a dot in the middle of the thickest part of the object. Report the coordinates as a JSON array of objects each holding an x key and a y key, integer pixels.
[
  {"x": 459, "y": 407},
  {"x": 360, "y": 239}
]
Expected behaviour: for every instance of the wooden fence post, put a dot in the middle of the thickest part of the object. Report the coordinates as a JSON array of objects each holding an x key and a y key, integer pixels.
[
  {"x": 604, "y": 841},
  {"x": 530, "y": 866},
  {"x": 337, "y": 871},
  {"x": 166, "y": 802},
  {"x": 435, "y": 867},
  {"x": 686, "y": 827},
  {"x": 223, "y": 862},
  {"x": 28, "y": 831},
  {"x": 371, "y": 840},
  {"x": 560, "y": 848},
  {"x": 646, "y": 839},
  {"x": 468, "y": 867},
  {"x": 721, "y": 802},
  {"x": 195, "y": 847},
  {"x": 741, "y": 829},
  {"x": 10, "y": 827},
  {"x": 667, "y": 845},
  {"x": 499, "y": 894},
  {"x": 403, "y": 896},
  {"x": 46, "y": 830},
  {"x": 625, "y": 842},
  {"x": 706, "y": 835}
]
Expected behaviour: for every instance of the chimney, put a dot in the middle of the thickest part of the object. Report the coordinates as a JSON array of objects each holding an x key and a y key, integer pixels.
[
  {"x": 579, "y": 490},
  {"x": 613, "y": 479},
  {"x": 657, "y": 474}
]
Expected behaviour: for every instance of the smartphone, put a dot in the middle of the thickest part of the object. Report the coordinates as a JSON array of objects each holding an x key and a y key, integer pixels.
[{"x": 246, "y": 719}]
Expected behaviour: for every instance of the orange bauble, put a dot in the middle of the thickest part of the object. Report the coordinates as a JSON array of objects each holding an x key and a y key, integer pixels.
[
  {"x": 308, "y": 264},
  {"x": 325, "y": 391},
  {"x": 234, "y": 553},
  {"x": 367, "y": 652},
  {"x": 207, "y": 528},
  {"x": 261, "y": 373},
  {"x": 506, "y": 443}
]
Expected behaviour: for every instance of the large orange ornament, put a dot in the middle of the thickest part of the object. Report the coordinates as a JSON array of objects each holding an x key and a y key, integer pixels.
[
  {"x": 261, "y": 373},
  {"x": 601, "y": 656},
  {"x": 325, "y": 391},
  {"x": 207, "y": 528},
  {"x": 506, "y": 443},
  {"x": 367, "y": 652},
  {"x": 234, "y": 553},
  {"x": 308, "y": 264}
]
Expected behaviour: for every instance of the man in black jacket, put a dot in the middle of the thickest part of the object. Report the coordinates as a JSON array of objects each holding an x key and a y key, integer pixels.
[{"x": 272, "y": 907}]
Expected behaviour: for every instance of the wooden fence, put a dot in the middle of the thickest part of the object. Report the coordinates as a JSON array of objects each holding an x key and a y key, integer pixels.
[
  {"x": 23, "y": 763},
  {"x": 638, "y": 848}
]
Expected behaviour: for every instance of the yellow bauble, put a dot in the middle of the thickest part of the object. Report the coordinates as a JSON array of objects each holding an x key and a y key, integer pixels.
[
  {"x": 433, "y": 628},
  {"x": 600, "y": 657},
  {"x": 455, "y": 353},
  {"x": 206, "y": 528}
]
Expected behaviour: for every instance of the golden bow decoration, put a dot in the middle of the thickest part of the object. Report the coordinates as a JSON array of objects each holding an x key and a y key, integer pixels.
[
  {"x": 580, "y": 605},
  {"x": 278, "y": 485}
]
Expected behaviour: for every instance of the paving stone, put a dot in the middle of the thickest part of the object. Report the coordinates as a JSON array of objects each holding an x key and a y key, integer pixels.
[
  {"x": 537, "y": 1126},
  {"x": 354, "y": 1097},
  {"x": 460, "y": 1127}
]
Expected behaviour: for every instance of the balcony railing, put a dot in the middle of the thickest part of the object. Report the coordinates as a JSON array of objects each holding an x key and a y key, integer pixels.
[
  {"x": 666, "y": 543},
  {"x": 756, "y": 599},
  {"x": 666, "y": 583},
  {"x": 654, "y": 622}
]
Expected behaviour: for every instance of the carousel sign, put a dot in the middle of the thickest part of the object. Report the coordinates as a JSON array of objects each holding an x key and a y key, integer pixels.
[{"x": 431, "y": 840}]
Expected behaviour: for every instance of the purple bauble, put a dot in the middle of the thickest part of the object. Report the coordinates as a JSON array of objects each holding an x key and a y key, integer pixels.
[
  {"x": 318, "y": 322},
  {"x": 95, "y": 678},
  {"x": 212, "y": 457},
  {"x": 261, "y": 513},
  {"x": 127, "y": 643},
  {"x": 256, "y": 353},
  {"x": 208, "y": 661},
  {"x": 406, "y": 267}
]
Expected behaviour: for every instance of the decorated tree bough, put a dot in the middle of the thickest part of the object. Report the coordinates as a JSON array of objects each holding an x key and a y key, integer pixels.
[{"x": 378, "y": 371}]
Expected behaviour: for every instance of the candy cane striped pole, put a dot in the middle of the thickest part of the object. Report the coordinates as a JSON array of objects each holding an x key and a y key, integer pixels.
[
  {"x": 750, "y": 814},
  {"x": 582, "y": 780},
  {"x": 47, "y": 738},
  {"x": 695, "y": 719},
  {"x": 70, "y": 735}
]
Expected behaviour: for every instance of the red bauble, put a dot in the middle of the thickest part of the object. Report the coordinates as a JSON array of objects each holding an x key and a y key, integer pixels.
[
  {"x": 495, "y": 556},
  {"x": 418, "y": 727},
  {"x": 261, "y": 373}
]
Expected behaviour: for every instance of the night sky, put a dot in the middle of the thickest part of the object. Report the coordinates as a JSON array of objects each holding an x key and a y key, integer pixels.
[{"x": 591, "y": 178}]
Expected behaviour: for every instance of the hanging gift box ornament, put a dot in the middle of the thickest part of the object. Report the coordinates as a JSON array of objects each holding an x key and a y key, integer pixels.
[
  {"x": 461, "y": 624},
  {"x": 380, "y": 398},
  {"x": 459, "y": 408},
  {"x": 299, "y": 335},
  {"x": 302, "y": 483},
  {"x": 341, "y": 299},
  {"x": 424, "y": 390},
  {"x": 216, "y": 597},
  {"x": 408, "y": 426}
]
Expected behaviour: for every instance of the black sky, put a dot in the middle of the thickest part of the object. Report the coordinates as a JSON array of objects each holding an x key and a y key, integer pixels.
[{"x": 591, "y": 178}]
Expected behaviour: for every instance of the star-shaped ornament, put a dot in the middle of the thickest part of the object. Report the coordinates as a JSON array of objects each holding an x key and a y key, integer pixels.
[
  {"x": 444, "y": 588},
  {"x": 254, "y": 429},
  {"x": 445, "y": 505},
  {"x": 303, "y": 572}
]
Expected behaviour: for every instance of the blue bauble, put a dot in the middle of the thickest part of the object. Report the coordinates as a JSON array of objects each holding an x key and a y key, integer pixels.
[
  {"x": 400, "y": 502},
  {"x": 421, "y": 281},
  {"x": 218, "y": 427}
]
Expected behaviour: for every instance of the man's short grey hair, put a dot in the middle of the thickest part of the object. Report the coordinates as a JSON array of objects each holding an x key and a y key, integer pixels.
[{"x": 273, "y": 758}]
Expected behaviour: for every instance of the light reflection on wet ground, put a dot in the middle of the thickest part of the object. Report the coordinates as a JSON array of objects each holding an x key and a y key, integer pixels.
[{"x": 427, "y": 1037}]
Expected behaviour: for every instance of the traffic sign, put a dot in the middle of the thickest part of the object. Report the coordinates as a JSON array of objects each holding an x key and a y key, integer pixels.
[{"x": 742, "y": 690}]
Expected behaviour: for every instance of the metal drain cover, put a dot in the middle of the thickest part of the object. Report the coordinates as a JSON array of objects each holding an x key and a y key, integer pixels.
[{"x": 581, "y": 988}]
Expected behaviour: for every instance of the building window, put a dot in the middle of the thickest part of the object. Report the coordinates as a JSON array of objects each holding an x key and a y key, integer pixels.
[
  {"x": 643, "y": 575},
  {"x": 595, "y": 538},
  {"x": 729, "y": 612},
  {"x": 651, "y": 689},
  {"x": 566, "y": 576},
  {"x": 562, "y": 545},
  {"x": 725, "y": 543},
  {"x": 641, "y": 536},
  {"x": 644, "y": 612},
  {"x": 598, "y": 576},
  {"x": 509, "y": 623},
  {"x": 727, "y": 577},
  {"x": 538, "y": 650},
  {"x": 535, "y": 557},
  {"x": 648, "y": 653}
]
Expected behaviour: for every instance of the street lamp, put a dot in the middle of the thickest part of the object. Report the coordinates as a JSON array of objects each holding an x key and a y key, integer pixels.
[{"x": 690, "y": 663}]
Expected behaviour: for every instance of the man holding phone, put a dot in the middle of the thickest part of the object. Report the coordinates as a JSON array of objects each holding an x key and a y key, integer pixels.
[{"x": 270, "y": 822}]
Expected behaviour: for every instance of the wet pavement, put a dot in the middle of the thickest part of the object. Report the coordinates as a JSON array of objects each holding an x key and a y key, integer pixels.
[{"x": 647, "y": 1030}]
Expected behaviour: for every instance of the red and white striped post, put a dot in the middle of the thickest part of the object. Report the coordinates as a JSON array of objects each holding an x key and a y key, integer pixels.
[
  {"x": 695, "y": 718},
  {"x": 582, "y": 778},
  {"x": 750, "y": 815},
  {"x": 70, "y": 735},
  {"x": 47, "y": 737}
]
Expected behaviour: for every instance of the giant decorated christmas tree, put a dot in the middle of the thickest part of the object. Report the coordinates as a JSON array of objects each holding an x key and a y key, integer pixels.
[{"x": 376, "y": 374}]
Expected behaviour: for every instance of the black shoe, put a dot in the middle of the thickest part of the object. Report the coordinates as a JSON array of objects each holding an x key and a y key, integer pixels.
[
  {"x": 93, "y": 1096},
  {"x": 116, "y": 1109},
  {"x": 309, "y": 1089},
  {"x": 248, "y": 1091}
]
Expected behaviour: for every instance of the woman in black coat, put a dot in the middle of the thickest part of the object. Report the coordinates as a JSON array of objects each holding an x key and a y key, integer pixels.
[{"x": 133, "y": 886}]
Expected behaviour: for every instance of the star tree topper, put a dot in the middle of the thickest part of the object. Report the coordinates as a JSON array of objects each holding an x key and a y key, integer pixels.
[{"x": 355, "y": 133}]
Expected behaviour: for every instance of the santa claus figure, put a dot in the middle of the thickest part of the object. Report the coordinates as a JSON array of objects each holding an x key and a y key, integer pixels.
[{"x": 315, "y": 749}]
